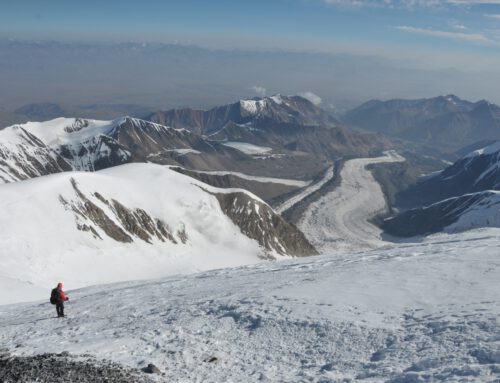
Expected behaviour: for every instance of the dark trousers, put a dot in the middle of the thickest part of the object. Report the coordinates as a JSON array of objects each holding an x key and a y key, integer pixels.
[{"x": 60, "y": 309}]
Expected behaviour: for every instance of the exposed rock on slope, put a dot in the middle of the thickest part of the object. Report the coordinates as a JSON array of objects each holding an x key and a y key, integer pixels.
[
  {"x": 456, "y": 214},
  {"x": 50, "y": 368},
  {"x": 131, "y": 222},
  {"x": 24, "y": 156},
  {"x": 264, "y": 188},
  {"x": 478, "y": 171},
  {"x": 258, "y": 221}
]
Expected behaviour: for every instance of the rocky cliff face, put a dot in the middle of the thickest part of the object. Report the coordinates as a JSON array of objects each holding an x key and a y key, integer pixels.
[{"x": 258, "y": 221}]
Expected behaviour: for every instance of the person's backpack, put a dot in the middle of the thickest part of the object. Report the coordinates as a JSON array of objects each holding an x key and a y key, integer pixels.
[{"x": 54, "y": 296}]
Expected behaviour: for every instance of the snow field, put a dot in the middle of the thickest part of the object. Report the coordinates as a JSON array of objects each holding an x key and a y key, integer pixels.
[
  {"x": 41, "y": 244},
  {"x": 247, "y": 148},
  {"x": 282, "y": 181},
  {"x": 417, "y": 313}
]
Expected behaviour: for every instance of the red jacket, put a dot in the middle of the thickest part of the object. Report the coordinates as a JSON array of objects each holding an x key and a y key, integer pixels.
[{"x": 62, "y": 296}]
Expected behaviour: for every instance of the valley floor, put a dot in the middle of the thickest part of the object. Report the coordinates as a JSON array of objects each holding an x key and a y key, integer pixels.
[
  {"x": 338, "y": 221},
  {"x": 413, "y": 313}
]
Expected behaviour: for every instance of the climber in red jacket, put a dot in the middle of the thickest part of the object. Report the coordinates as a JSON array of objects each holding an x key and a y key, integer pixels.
[{"x": 57, "y": 297}]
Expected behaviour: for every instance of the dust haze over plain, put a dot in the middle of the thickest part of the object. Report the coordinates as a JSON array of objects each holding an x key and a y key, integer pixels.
[{"x": 167, "y": 75}]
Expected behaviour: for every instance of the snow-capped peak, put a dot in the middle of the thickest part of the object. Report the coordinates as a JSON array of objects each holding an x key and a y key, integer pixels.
[
  {"x": 252, "y": 107},
  {"x": 488, "y": 150}
]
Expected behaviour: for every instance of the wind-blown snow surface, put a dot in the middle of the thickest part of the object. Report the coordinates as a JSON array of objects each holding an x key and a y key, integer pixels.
[
  {"x": 44, "y": 239},
  {"x": 413, "y": 313},
  {"x": 338, "y": 221}
]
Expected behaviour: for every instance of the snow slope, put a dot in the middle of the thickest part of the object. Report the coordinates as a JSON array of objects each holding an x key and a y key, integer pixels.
[
  {"x": 414, "y": 313},
  {"x": 338, "y": 221},
  {"x": 129, "y": 222},
  {"x": 247, "y": 148}
]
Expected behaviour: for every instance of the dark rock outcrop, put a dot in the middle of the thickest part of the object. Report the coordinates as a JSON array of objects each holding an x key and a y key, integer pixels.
[
  {"x": 258, "y": 221},
  {"x": 435, "y": 218},
  {"x": 473, "y": 173},
  {"x": 59, "y": 368},
  {"x": 135, "y": 223},
  {"x": 28, "y": 157}
]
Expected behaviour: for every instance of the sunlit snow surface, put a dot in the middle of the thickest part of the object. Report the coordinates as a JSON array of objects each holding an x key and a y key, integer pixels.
[
  {"x": 411, "y": 313},
  {"x": 247, "y": 148}
]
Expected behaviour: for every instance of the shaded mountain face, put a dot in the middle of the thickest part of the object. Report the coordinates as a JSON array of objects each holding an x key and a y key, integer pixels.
[
  {"x": 478, "y": 171},
  {"x": 446, "y": 122},
  {"x": 278, "y": 109},
  {"x": 468, "y": 211},
  {"x": 289, "y": 124},
  {"x": 463, "y": 196},
  {"x": 325, "y": 142}
]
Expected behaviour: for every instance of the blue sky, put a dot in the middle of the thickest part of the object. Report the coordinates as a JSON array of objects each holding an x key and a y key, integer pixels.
[{"x": 325, "y": 25}]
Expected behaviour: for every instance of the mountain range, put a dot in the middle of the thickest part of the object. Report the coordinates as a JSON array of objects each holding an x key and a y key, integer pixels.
[
  {"x": 445, "y": 122},
  {"x": 148, "y": 199},
  {"x": 463, "y": 196}
]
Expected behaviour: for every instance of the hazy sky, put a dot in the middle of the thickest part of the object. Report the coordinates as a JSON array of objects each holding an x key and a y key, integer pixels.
[
  {"x": 424, "y": 35},
  {"x": 456, "y": 26}
]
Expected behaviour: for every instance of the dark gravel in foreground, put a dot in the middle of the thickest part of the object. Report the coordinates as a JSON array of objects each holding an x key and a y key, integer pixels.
[{"x": 55, "y": 368}]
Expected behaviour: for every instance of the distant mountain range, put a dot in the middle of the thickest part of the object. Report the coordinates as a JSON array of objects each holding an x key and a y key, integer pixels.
[
  {"x": 278, "y": 109},
  {"x": 444, "y": 122},
  {"x": 257, "y": 136},
  {"x": 273, "y": 146}
]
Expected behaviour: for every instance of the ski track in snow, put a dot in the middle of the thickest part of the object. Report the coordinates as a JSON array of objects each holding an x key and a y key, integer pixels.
[
  {"x": 417, "y": 313},
  {"x": 338, "y": 221}
]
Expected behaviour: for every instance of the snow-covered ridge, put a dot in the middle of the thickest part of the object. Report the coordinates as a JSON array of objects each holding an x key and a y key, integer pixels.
[
  {"x": 488, "y": 150},
  {"x": 146, "y": 218},
  {"x": 83, "y": 144},
  {"x": 452, "y": 215},
  {"x": 252, "y": 107},
  {"x": 62, "y": 130}
]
